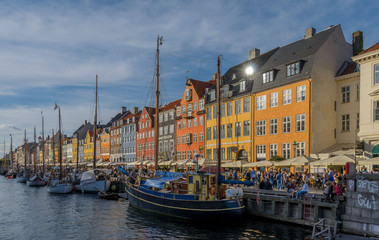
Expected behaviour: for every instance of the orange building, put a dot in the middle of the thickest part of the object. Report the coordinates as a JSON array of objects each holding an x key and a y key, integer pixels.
[
  {"x": 145, "y": 135},
  {"x": 190, "y": 120},
  {"x": 105, "y": 145}
]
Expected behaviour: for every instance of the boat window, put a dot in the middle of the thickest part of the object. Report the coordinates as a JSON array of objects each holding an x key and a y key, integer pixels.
[
  {"x": 204, "y": 181},
  {"x": 197, "y": 189},
  {"x": 213, "y": 180},
  {"x": 190, "y": 179}
]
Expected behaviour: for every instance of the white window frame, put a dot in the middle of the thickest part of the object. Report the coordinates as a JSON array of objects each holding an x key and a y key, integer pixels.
[
  {"x": 273, "y": 126},
  {"x": 268, "y": 76},
  {"x": 300, "y": 93},
  {"x": 261, "y": 128},
  {"x": 286, "y": 124},
  {"x": 300, "y": 122},
  {"x": 286, "y": 150},
  {"x": 273, "y": 150},
  {"x": 261, "y": 102},
  {"x": 274, "y": 99},
  {"x": 286, "y": 96}
]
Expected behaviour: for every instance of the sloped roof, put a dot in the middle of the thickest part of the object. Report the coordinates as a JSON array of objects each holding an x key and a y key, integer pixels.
[
  {"x": 347, "y": 68},
  {"x": 200, "y": 86},
  {"x": 371, "y": 49},
  {"x": 82, "y": 130},
  {"x": 130, "y": 116},
  {"x": 150, "y": 111},
  {"x": 171, "y": 105}
]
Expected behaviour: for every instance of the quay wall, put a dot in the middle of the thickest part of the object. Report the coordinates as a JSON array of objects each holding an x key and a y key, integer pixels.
[
  {"x": 361, "y": 214},
  {"x": 279, "y": 206}
]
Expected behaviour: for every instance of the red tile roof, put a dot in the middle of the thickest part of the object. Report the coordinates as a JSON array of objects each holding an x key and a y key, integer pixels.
[
  {"x": 200, "y": 86},
  {"x": 372, "y": 48},
  {"x": 171, "y": 105}
]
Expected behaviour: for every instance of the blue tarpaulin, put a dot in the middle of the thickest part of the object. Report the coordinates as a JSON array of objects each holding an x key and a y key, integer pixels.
[
  {"x": 232, "y": 182},
  {"x": 159, "y": 182},
  {"x": 119, "y": 168},
  {"x": 168, "y": 174}
]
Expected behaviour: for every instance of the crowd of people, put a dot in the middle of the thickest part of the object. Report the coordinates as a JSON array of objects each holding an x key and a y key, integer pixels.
[{"x": 328, "y": 182}]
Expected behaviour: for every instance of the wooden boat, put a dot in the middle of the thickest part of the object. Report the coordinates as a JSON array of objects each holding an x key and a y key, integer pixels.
[
  {"x": 200, "y": 196},
  {"x": 36, "y": 181},
  {"x": 107, "y": 196},
  {"x": 93, "y": 181}
]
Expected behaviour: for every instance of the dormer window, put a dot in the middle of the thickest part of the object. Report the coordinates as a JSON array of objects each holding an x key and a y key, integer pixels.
[
  {"x": 188, "y": 94},
  {"x": 213, "y": 95},
  {"x": 293, "y": 69},
  {"x": 268, "y": 76},
  {"x": 242, "y": 85},
  {"x": 226, "y": 91},
  {"x": 234, "y": 76}
]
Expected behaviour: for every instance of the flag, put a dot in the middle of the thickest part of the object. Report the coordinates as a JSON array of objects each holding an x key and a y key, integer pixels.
[{"x": 258, "y": 196}]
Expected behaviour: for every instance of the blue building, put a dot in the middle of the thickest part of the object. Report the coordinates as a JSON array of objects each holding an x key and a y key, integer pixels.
[{"x": 129, "y": 136}]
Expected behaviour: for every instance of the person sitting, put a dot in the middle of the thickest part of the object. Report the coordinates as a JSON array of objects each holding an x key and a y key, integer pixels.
[
  {"x": 291, "y": 186},
  {"x": 337, "y": 190},
  {"x": 262, "y": 184},
  {"x": 268, "y": 185},
  {"x": 303, "y": 191},
  {"x": 328, "y": 191}
]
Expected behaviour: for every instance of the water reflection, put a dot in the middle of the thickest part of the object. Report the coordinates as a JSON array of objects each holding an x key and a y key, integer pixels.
[{"x": 32, "y": 213}]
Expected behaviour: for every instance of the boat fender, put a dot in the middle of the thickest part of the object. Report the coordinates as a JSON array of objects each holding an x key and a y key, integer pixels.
[{"x": 212, "y": 189}]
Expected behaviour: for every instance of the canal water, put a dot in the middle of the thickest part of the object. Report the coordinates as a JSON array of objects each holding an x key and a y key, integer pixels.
[{"x": 32, "y": 213}]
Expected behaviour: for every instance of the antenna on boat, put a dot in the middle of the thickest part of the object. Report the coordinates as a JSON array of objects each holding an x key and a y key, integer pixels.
[
  {"x": 159, "y": 42},
  {"x": 94, "y": 129},
  {"x": 43, "y": 145},
  {"x": 11, "y": 154},
  {"x": 218, "y": 128}
]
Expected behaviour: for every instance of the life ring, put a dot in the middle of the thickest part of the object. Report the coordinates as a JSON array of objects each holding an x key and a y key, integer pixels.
[{"x": 212, "y": 190}]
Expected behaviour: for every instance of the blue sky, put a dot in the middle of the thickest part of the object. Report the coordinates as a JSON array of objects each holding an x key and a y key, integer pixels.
[{"x": 51, "y": 51}]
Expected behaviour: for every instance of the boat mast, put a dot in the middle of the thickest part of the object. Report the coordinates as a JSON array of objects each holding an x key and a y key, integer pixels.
[
  {"x": 4, "y": 161},
  {"x": 43, "y": 146},
  {"x": 25, "y": 151},
  {"x": 77, "y": 151},
  {"x": 35, "y": 152},
  {"x": 52, "y": 139},
  {"x": 156, "y": 135},
  {"x": 94, "y": 129},
  {"x": 11, "y": 155},
  {"x": 60, "y": 145},
  {"x": 218, "y": 127}
]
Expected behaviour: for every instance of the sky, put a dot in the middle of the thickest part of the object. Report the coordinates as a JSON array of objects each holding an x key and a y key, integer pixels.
[{"x": 51, "y": 51}]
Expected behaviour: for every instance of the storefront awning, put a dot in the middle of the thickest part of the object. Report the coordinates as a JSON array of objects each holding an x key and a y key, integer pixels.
[{"x": 375, "y": 150}]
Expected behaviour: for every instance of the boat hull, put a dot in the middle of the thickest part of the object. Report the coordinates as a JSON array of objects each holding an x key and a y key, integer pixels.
[
  {"x": 94, "y": 187},
  {"x": 188, "y": 209},
  {"x": 22, "y": 179},
  {"x": 35, "y": 183},
  {"x": 60, "y": 188}
]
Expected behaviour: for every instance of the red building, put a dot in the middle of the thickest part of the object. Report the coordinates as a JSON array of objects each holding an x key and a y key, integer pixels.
[
  {"x": 145, "y": 135},
  {"x": 190, "y": 120}
]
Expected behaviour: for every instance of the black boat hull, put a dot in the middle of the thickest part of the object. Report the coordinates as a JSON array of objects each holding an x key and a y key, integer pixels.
[{"x": 188, "y": 209}]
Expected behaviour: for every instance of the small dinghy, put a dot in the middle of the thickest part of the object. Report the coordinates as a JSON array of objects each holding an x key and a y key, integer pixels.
[
  {"x": 107, "y": 196},
  {"x": 36, "y": 181}
]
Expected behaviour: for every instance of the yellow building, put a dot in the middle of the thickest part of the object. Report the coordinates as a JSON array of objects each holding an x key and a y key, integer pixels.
[{"x": 88, "y": 147}]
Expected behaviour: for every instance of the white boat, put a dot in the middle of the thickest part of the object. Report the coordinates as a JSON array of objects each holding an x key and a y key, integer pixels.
[
  {"x": 94, "y": 180},
  {"x": 57, "y": 187},
  {"x": 35, "y": 181}
]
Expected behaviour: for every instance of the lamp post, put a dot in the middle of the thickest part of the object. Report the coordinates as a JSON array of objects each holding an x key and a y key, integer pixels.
[{"x": 294, "y": 144}]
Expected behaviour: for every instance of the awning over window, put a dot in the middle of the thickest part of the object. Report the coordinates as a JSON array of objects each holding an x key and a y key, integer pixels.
[{"x": 375, "y": 150}]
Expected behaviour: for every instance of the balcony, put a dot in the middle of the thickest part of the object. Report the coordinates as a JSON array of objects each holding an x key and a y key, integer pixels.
[{"x": 189, "y": 114}]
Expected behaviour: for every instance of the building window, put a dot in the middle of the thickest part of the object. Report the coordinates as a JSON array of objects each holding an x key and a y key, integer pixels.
[
  {"x": 261, "y": 128},
  {"x": 346, "y": 122},
  {"x": 300, "y": 149},
  {"x": 195, "y": 122},
  {"x": 261, "y": 102},
  {"x": 160, "y": 131},
  {"x": 268, "y": 76},
  {"x": 229, "y": 152},
  {"x": 194, "y": 137},
  {"x": 215, "y": 132},
  {"x": 178, "y": 140},
  {"x": 201, "y": 104},
  {"x": 238, "y": 107},
  {"x": 357, "y": 121},
  {"x": 184, "y": 124},
  {"x": 345, "y": 94},
  {"x": 209, "y": 133},
  {"x": 178, "y": 125},
  {"x": 178, "y": 154},
  {"x": 222, "y": 153},
  {"x": 209, "y": 113},
  {"x": 209, "y": 153},
  {"x": 261, "y": 152},
  {"x": 300, "y": 95},
  {"x": 189, "y": 123},
  {"x": 201, "y": 120},
  {"x": 212, "y": 96},
  {"x": 229, "y": 130},
  {"x": 287, "y": 96},
  {"x": 215, "y": 154},
  {"x": 222, "y": 110},
  {"x": 358, "y": 92},
  {"x": 376, "y": 74},
  {"x": 246, "y": 128},
  {"x": 273, "y": 126},
  {"x": 183, "y": 109},
  {"x": 293, "y": 69},
  {"x": 286, "y": 124},
  {"x": 184, "y": 155},
  {"x": 300, "y": 123},
  {"x": 195, "y": 106},
  {"x": 246, "y": 105},
  {"x": 214, "y": 112},
  {"x": 172, "y": 128},
  {"x": 189, "y": 154},
  {"x": 166, "y": 114},
  {"x": 229, "y": 108},
  {"x": 201, "y": 137},
  {"x": 242, "y": 86},
  {"x": 274, "y": 99},
  {"x": 222, "y": 131},
  {"x": 238, "y": 129},
  {"x": 273, "y": 150},
  {"x": 286, "y": 150}
]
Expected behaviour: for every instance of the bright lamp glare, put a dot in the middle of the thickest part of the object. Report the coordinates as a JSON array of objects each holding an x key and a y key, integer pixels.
[{"x": 249, "y": 70}]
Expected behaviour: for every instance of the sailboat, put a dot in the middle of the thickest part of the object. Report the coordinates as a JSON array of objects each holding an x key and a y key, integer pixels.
[
  {"x": 23, "y": 176},
  {"x": 59, "y": 185},
  {"x": 94, "y": 180},
  {"x": 11, "y": 174},
  {"x": 37, "y": 180},
  {"x": 199, "y": 196}
]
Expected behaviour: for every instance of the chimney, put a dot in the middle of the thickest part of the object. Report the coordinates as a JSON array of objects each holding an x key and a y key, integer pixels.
[
  {"x": 309, "y": 32},
  {"x": 135, "y": 109},
  {"x": 254, "y": 53},
  {"x": 123, "y": 110},
  {"x": 214, "y": 76},
  {"x": 357, "y": 42}
]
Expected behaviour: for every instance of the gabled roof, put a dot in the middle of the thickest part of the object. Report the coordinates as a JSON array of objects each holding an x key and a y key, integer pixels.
[
  {"x": 347, "y": 68},
  {"x": 200, "y": 86},
  {"x": 150, "y": 111},
  {"x": 82, "y": 130},
  {"x": 371, "y": 49},
  {"x": 171, "y": 105},
  {"x": 130, "y": 116}
]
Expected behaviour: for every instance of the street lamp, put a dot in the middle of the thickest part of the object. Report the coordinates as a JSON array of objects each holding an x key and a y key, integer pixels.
[
  {"x": 249, "y": 70},
  {"x": 294, "y": 144}
]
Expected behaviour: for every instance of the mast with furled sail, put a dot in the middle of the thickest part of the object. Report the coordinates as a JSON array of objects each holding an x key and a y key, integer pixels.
[
  {"x": 95, "y": 129},
  {"x": 156, "y": 127}
]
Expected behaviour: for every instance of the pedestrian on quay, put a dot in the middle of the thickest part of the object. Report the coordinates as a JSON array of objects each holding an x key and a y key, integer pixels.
[
  {"x": 304, "y": 190},
  {"x": 268, "y": 185},
  {"x": 253, "y": 176},
  {"x": 279, "y": 180},
  {"x": 328, "y": 191},
  {"x": 291, "y": 185},
  {"x": 337, "y": 190},
  {"x": 331, "y": 175}
]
